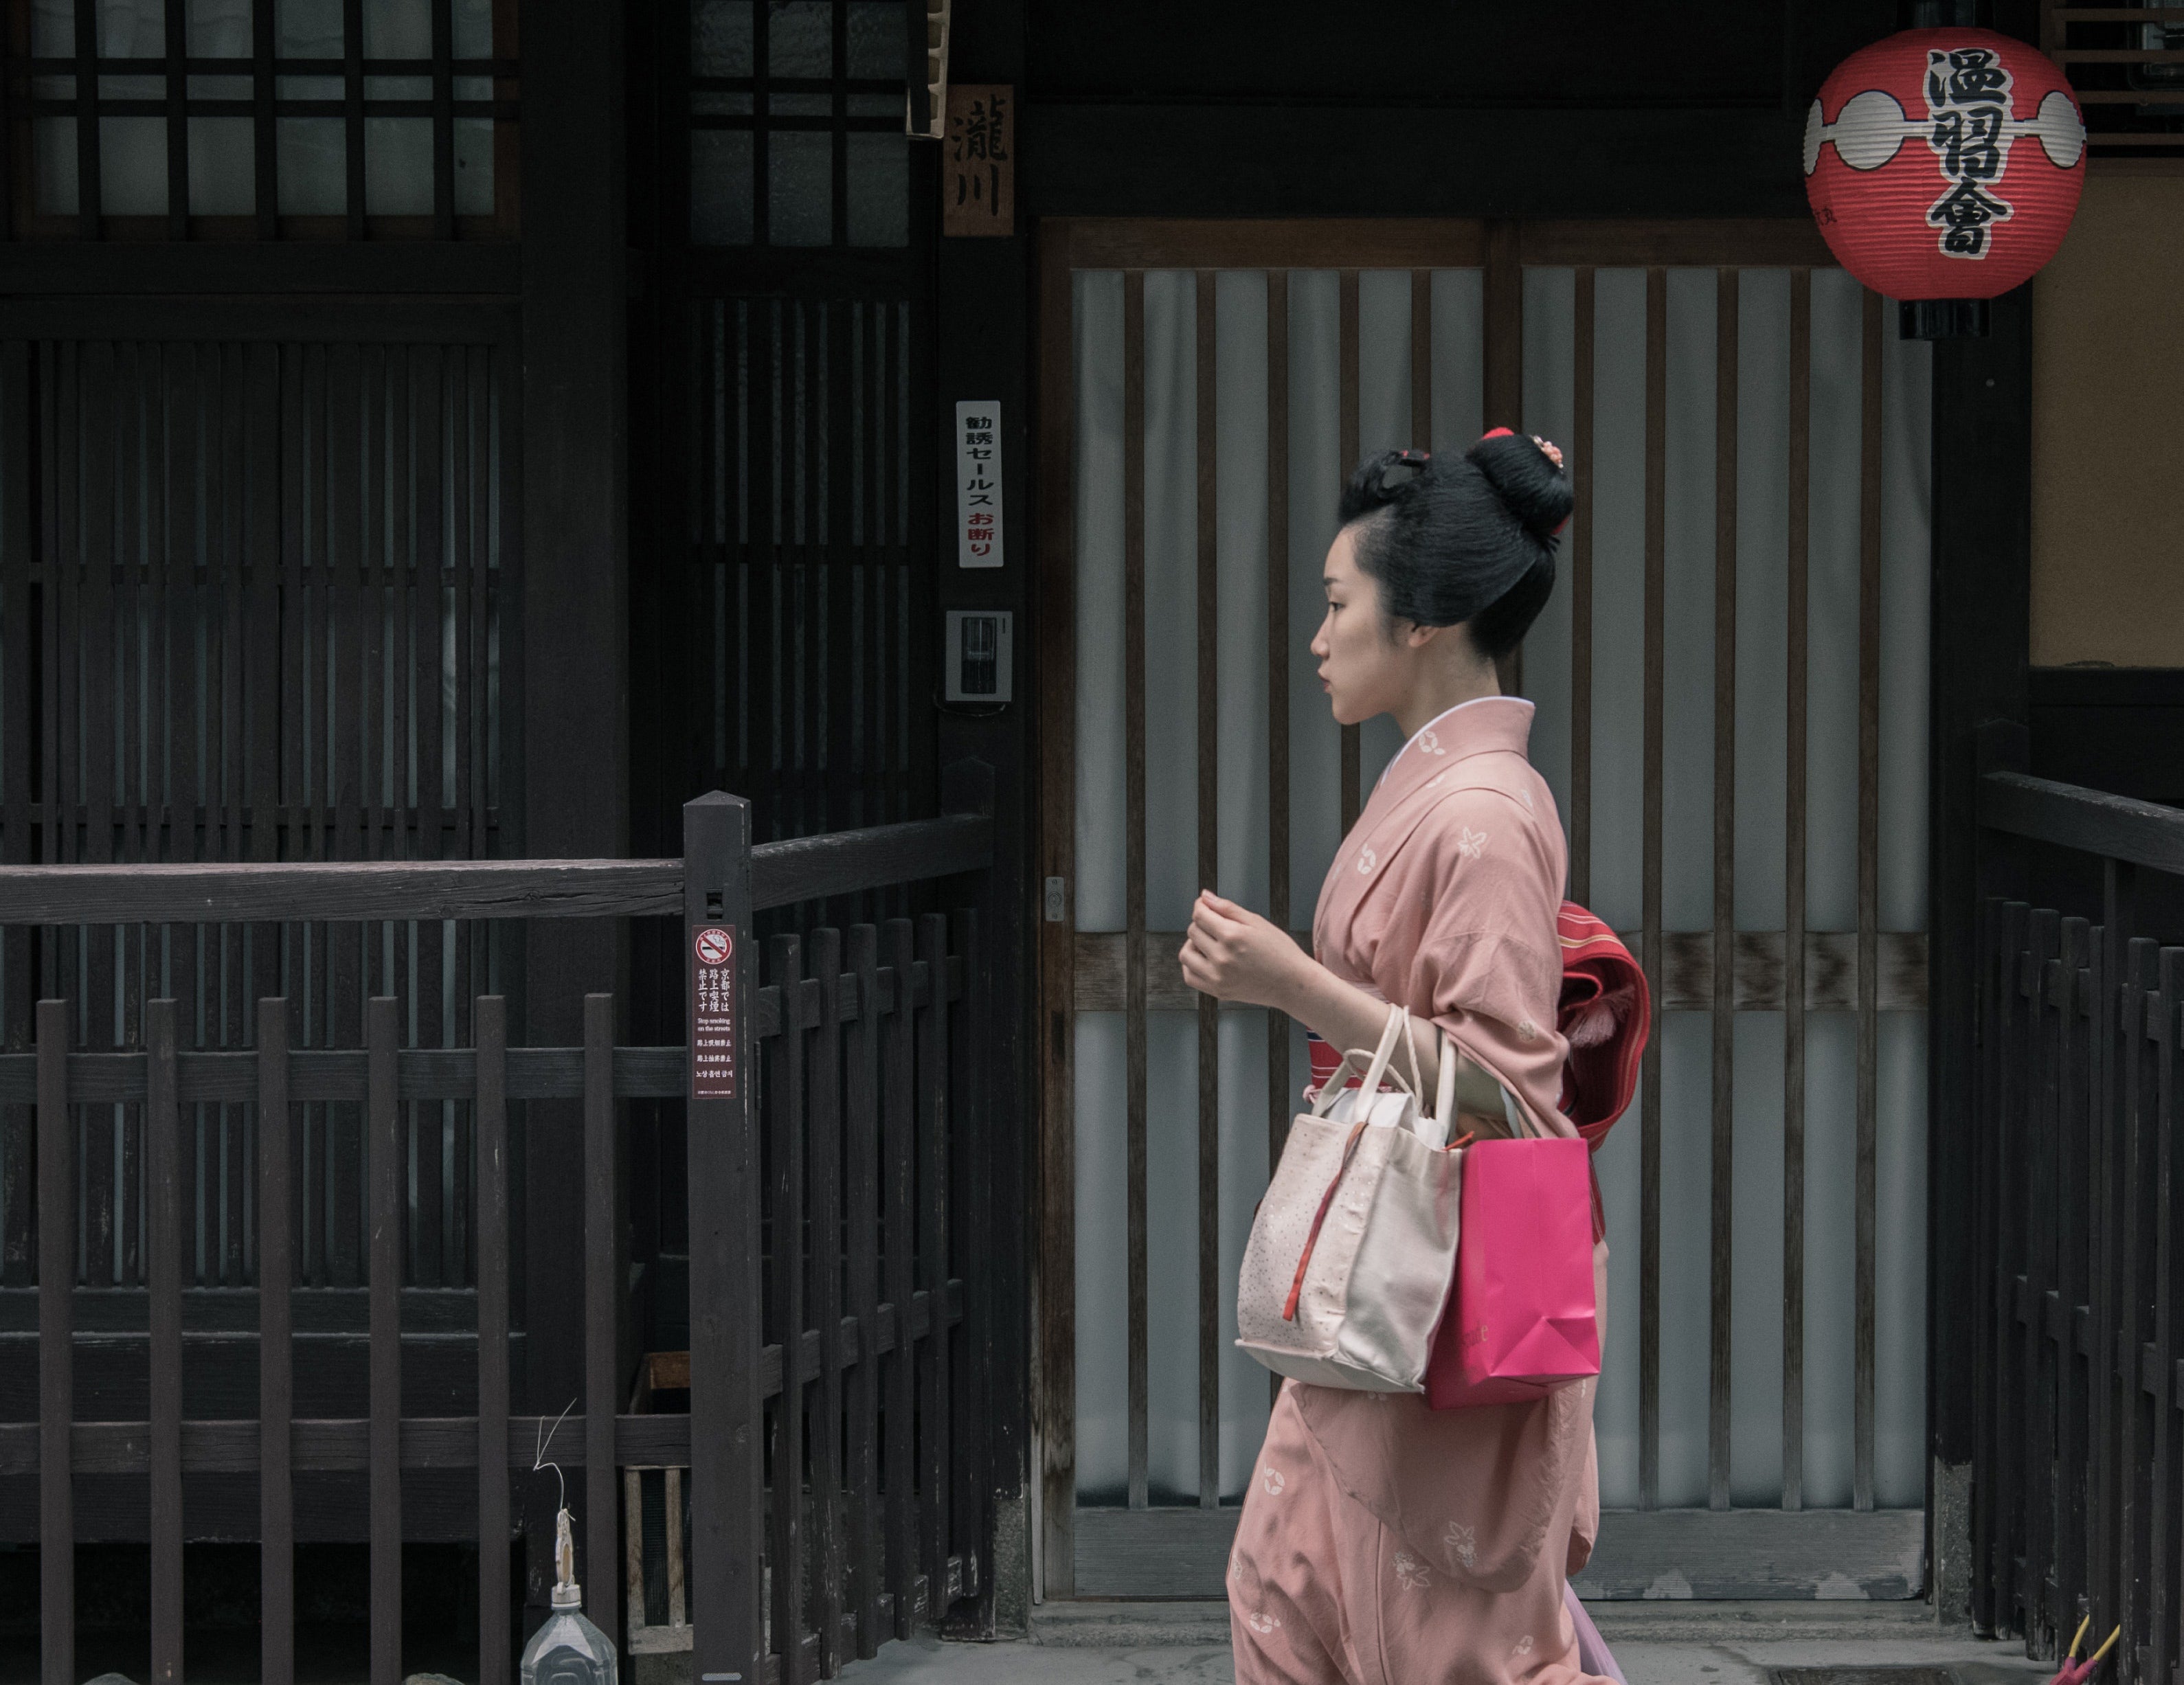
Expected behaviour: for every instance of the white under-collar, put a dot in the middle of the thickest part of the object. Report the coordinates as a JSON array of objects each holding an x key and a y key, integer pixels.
[{"x": 1524, "y": 702}]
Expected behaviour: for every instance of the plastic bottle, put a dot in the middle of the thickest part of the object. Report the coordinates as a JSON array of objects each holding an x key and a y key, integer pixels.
[{"x": 568, "y": 1650}]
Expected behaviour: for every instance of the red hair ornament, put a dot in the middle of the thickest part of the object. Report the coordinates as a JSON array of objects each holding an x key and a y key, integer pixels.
[{"x": 1944, "y": 163}]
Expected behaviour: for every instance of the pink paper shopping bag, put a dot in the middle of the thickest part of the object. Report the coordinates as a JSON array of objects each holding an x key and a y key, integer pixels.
[{"x": 1522, "y": 1318}]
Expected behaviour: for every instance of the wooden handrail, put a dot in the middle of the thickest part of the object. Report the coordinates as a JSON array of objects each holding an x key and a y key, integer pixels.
[
  {"x": 838, "y": 863},
  {"x": 2092, "y": 821}
]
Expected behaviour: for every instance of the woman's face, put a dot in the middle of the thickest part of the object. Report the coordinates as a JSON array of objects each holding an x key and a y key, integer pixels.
[{"x": 1364, "y": 670}]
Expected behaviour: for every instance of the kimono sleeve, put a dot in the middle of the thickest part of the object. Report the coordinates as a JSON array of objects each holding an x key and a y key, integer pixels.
[{"x": 1487, "y": 947}]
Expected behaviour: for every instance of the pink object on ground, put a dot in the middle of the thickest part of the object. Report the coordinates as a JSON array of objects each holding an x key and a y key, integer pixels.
[
  {"x": 1593, "y": 1654},
  {"x": 1381, "y": 1540},
  {"x": 1523, "y": 1316}
]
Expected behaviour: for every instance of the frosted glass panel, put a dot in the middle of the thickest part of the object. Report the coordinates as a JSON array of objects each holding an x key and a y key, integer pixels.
[
  {"x": 310, "y": 163},
  {"x": 1390, "y": 368}
]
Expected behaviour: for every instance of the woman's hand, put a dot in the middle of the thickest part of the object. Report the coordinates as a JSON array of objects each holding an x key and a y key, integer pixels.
[{"x": 1232, "y": 953}]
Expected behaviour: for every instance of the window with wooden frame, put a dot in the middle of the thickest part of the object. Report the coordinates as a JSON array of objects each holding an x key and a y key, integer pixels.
[
  {"x": 262, "y": 119},
  {"x": 797, "y": 128}
]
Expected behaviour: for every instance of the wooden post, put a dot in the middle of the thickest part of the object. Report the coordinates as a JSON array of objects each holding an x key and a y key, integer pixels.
[
  {"x": 55, "y": 1351},
  {"x": 727, "y": 1494},
  {"x": 604, "y": 1276},
  {"x": 276, "y": 1357},
  {"x": 163, "y": 1276},
  {"x": 564, "y": 658},
  {"x": 1982, "y": 446},
  {"x": 385, "y": 1162},
  {"x": 489, "y": 1025}
]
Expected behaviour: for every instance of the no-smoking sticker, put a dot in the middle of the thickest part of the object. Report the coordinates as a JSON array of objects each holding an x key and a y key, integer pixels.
[{"x": 713, "y": 1012}]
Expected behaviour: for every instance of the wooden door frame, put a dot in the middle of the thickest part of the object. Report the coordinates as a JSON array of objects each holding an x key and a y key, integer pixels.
[{"x": 1502, "y": 249}]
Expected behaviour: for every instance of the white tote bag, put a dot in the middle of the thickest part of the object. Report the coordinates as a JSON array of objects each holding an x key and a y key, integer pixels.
[{"x": 1353, "y": 1251}]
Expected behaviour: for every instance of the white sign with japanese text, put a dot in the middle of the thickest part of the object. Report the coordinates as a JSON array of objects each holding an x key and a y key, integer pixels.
[{"x": 978, "y": 484}]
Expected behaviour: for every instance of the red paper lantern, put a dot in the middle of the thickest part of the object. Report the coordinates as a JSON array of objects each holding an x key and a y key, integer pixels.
[{"x": 1944, "y": 163}]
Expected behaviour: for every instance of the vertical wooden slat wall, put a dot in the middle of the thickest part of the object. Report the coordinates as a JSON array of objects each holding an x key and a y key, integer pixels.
[
  {"x": 2079, "y": 1038},
  {"x": 220, "y": 582},
  {"x": 1719, "y": 970},
  {"x": 912, "y": 1055}
]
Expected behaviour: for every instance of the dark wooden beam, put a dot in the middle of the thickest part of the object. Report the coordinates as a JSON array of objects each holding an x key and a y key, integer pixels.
[
  {"x": 566, "y": 683},
  {"x": 1981, "y": 618}
]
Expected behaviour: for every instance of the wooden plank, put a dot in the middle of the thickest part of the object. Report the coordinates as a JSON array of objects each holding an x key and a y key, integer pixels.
[
  {"x": 1212, "y": 1337},
  {"x": 787, "y": 1317},
  {"x": 899, "y": 1147},
  {"x": 164, "y": 1266},
  {"x": 1133, "y": 856},
  {"x": 2072, "y": 1199},
  {"x": 1503, "y": 325},
  {"x": 2036, "y": 1378},
  {"x": 728, "y": 1491},
  {"x": 57, "y": 1256},
  {"x": 2011, "y": 1131},
  {"x": 1352, "y": 771},
  {"x": 2162, "y": 1508},
  {"x": 1266, "y": 243},
  {"x": 1794, "y": 1004},
  {"x": 1279, "y": 1035},
  {"x": 763, "y": 563},
  {"x": 1502, "y": 322},
  {"x": 983, "y": 1464},
  {"x": 104, "y": 1245},
  {"x": 2115, "y": 827},
  {"x": 1828, "y": 980},
  {"x": 1422, "y": 359},
  {"x": 1987, "y": 1099},
  {"x": 19, "y": 628},
  {"x": 1759, "y": 1554},
  {"x": 353, "y": 130},
  {"x": 2140, "y": 1124},
  {"x": 1581, "y": 763},
  {"x": 1868, "y": 900},
  {"x": 935, "y": 1400},
  {"x": 350, "y": 1149},
  {"x": 1055, "y": 1394},
  {"x": 604, "y": 1275},
  {"x": 342, "y": 1444},
  {"x": 1699, "y": 242},
  {"x": 1649, "y": 1187},
  {"x": 798, "y": 870},
  {"x": 823, "y": 1192},
  {"x": 1722, "y": 1187},
  {"x": 861, "y": 1224},
  {"x": 443, "y": 120},
  {"x": 489, "y": 1025},
  {"x": 1677, "y": 1554},
  {"x": 383, "y": 1165},
  {"x": 276, "y": 1572}
]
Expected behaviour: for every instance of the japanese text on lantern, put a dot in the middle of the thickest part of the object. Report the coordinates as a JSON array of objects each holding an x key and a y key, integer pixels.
[
  {"x": 713, "y": 1012},
  {"x": 978, "y": 173},
  {"x": 978, "y": 484},
  {"x": 1968, "y": 98}
]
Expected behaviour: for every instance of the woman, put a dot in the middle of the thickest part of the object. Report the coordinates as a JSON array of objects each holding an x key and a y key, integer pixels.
[{"x": 1382, "y": 1540}]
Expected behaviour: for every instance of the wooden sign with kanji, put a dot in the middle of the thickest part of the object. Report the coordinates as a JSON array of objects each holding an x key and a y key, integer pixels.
[{"x": 978, "y": 167}]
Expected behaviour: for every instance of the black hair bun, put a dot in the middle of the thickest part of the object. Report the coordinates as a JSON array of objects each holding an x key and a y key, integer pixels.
[{"x": 1533, "y": 485}]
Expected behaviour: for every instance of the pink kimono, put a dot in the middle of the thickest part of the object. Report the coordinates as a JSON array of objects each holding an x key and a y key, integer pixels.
[{"x": 1382, "y": 1542}]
